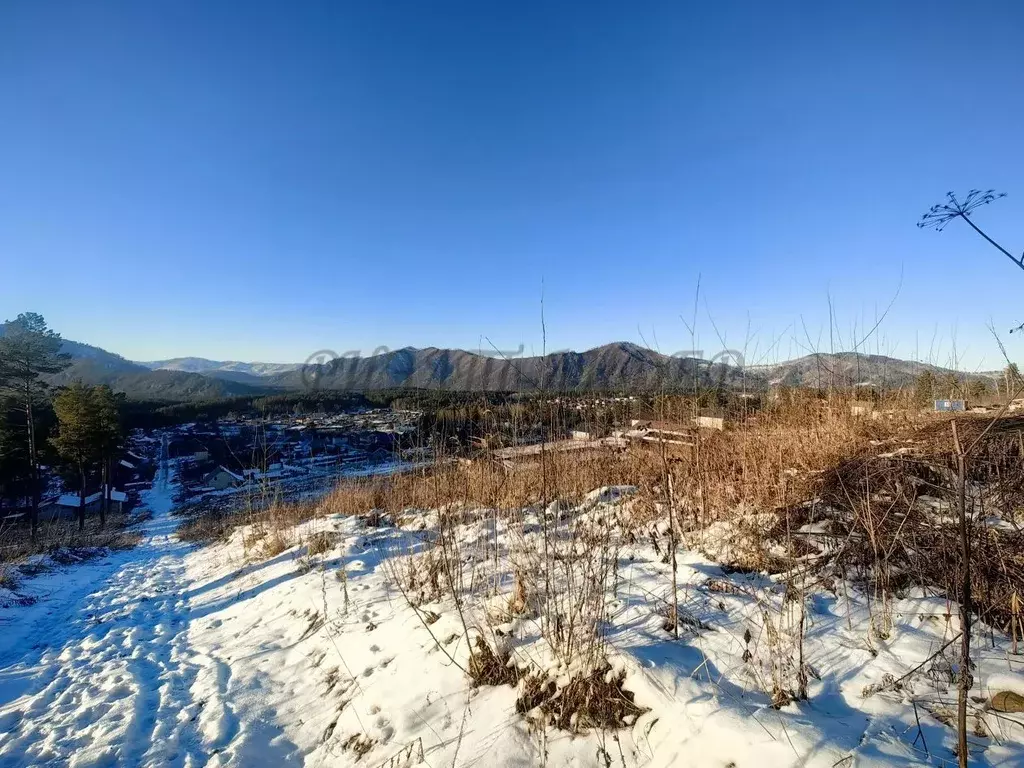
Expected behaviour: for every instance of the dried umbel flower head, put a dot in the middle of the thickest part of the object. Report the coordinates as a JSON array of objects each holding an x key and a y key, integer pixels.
[{"x": 940, "y": 215}]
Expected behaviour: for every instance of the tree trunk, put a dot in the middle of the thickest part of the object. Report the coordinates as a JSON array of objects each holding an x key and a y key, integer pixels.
[
  {"x": 105, "y": 506},
  {"x": 81, "y": 497},
  {"x": 33, "y": 464}
]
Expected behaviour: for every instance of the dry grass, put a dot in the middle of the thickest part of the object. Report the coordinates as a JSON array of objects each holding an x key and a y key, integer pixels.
[
  {"x": 859, "y": 481},
  {"x": 206, "y": 528},
  {"x": 8, "y": 578},
  {"x": 489, "y": 484},
  {"x": 64, "y": 544},
  {"x": 320, "y": 542},
  {"x": 895, "y": 515},
  {"x": 763, "y": 464},
  {"x": 275, "y": 542},
  {"x": 596, "y": 700},
  {"x": 359, "y": 744},
  {"x": 489, "y": 668},
  {"x": 16, "y": 543}
]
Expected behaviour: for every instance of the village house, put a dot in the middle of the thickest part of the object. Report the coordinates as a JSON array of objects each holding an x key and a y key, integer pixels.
[
  {"x": 710, "y": 420},
  {"x": 222, "y": 478},
  {"x": 66, "y": 506},
  {"x": 861, "y": 408}
]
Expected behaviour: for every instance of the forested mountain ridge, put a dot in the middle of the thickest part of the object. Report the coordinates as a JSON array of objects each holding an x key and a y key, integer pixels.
[{"x": 619, "y": 366}]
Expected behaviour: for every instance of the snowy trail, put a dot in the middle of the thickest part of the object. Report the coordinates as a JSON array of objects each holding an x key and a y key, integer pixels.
[{"x": 109, "y": 677}]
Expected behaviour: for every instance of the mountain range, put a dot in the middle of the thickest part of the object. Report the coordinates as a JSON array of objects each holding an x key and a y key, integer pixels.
[
  {"x": 202, "y": 365},
  {"x": 94, "y": 365},
  {"x": 613, "y": 367}
]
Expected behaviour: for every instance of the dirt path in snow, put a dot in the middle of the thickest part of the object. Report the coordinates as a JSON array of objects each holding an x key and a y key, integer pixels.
[{"x": 102, "y": 672}]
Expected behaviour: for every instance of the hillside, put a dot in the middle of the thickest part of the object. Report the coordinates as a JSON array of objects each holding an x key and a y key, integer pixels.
[
  {"x": 140, "y": 383},
  {"x": 611, "y": 367},
  {"x": 98, "y": 359},
  {"x": 94, "y": 365},
  {"x": 358, "y": 629},
  {"x": 846, "y": 369},
  {"x": 618, "y": 366},
  {"x": 223, "y": 368}
]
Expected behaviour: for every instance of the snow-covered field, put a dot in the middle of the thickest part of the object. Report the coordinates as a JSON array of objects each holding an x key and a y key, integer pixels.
[{"x": 167, "y": 655}]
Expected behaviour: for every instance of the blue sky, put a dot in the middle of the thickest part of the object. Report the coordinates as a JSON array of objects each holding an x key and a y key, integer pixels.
[{"x": 258, "y": 181}]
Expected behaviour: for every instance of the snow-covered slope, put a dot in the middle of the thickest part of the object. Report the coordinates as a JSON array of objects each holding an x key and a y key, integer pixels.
[{"x": 172, "y": 656}]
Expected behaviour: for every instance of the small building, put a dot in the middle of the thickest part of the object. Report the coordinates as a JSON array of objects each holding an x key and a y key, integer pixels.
[
  {"x": 578, "y": 434},
  {"x": 222, "y": 478},
  {"x": 74, "y": 500},
  {"x": 950, "y": 405},
  {"x": 201, "y": 456},
  {"x": 861, "y": 408},
  {"x": 119, "y": 498},
  {"x": 710, "y": 420},
  {"x": 68, "y": 505}
]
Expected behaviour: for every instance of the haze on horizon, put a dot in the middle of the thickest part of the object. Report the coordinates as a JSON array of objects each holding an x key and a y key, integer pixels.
[{"x": 258, "y": 182}]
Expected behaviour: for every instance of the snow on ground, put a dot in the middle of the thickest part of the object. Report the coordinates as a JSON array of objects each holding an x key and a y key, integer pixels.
[{"x": 168, "y": 655}]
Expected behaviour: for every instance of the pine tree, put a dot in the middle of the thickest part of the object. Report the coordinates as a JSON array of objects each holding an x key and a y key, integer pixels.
[
  {"x": 924, "y": 389},
  {"x": 79, "y": 434},
  {"x": 28, "y": 351},
  {"x": 15, "y": 478},
  {"x": 1013, "y": 379},
  {"x": 109, "y": 436},
  {"x": 977, "y": 388},
  {"x": 949, "y": 386}
]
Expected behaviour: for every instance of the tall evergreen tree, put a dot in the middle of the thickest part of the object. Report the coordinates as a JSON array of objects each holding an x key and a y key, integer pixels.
[
  {"x": 924, "y": 389},
  {"x": 15, "y": 480},
  {"x": 78, "y": 434},
  {"x": 1011, "y": 374},
  {"x": 109, "y": 437},
  {"x": 950, "y": 386},
  {"x": 29, "y": 350},
  {"x": 977, "y": 388}
]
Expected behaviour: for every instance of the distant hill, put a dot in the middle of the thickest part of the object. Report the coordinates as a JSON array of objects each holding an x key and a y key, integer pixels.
[
  {"x": 164, "y": 380},
  {"x": 613, "y": 367},
  {"x": 202, "y": 365},
  {"x": 140, "y": 383},
  {"x": 93, "y": 365},
  {"x": 846, "y": 369},
  {"x": 99, "y": 359},
  {"x": 616, "y": 366}
]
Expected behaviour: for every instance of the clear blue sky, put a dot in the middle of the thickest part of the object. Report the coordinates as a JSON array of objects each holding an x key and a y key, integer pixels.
[{"x": 259, "y": 180}]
